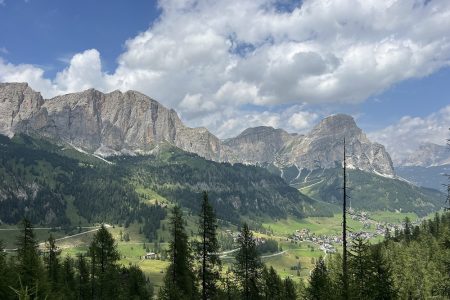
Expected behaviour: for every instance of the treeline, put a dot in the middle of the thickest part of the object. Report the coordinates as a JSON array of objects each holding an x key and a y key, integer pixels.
[
  {"x": 32, "y": 273},
  {"x": 196, "y": 271},
  {"x": 413, "y": 263}
]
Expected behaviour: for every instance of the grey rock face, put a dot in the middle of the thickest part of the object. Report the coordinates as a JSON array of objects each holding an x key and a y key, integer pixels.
[
  {"x": 108, "y": 124},
  {"x": 255, "y": 145},
  {"x": 428, "y": 155},
  {"x": 119, "y": 123},
  {"x": 18, "y": 104},
  {"x": 320, "y": 148},
  {"x": 323, "y": 147}
]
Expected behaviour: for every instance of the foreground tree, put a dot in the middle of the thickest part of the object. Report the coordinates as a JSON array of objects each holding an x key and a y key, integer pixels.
[
  {"x": 104, "y": 270},
  {"x": 207, "y": 250},
  {"x": 83, "y": 282},
  {"x": 179, "y": 281},
  {"x": 51, "y": 260},
  {"x": 290, "y": 291},
  {"x": 248, "y": 265},
  {"x": 319, "y": 283},
  {"x": 273, "y": 285},
  {"x": 360, "y": 269},
  {"x": 5, "y": 276},
  {"x": 31, "y": 274}
]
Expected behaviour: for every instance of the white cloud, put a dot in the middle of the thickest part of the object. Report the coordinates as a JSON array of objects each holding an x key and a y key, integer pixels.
[
  {"x": 302, "y": 120},
  {"x": 403, "y": 138},
  {"x": 84, "y": 72},
  {"x": 209, "y": 58}
]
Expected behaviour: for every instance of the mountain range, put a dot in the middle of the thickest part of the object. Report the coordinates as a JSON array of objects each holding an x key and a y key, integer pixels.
[
  {"x": 261, "y": 172},
  {"x": 128, "y": 123}
]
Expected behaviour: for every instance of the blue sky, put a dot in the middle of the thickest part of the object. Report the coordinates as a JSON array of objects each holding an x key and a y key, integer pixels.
[
  {"x": 49, "y": 32},
  {"x": 228, "y": 64}
]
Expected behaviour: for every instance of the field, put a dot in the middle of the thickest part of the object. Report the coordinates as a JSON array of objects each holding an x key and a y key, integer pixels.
[{"x": 132, "y": 252}]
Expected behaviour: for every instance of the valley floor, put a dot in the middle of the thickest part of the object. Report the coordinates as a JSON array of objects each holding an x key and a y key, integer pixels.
[{"x": 301, "y": 241}]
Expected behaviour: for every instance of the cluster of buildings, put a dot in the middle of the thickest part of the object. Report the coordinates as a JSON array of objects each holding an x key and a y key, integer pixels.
[{"x": 327, "y": 242}]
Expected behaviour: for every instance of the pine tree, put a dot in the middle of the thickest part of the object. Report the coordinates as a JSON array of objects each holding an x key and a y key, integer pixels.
[
  {"x": 382, "y": 286},
  {"x": 289, "y": 290},
  {"x": 229, "y": 287},
  {"x": 29, "y": 265},
  {"x": 83, "y": 278},
  {"x": 248, "y": 265},
  {"x": 136, "y": 285},
  {"x": 273, "y": 286},
  {"x": 179, "y": 281},
  {"x": 67, "y": 275},
  {"x": 319, "y": 283},
  {"x": 360, "y": 268},
  {"x": 104, "y": 256},
  {"x": 51, "y": 260},
  {"x": 207, "y": 250},
  {"x": 5, "y": 276}
]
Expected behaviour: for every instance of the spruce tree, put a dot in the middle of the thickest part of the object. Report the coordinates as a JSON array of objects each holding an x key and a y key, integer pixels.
[
  {"x": 319, "y": 283},
  {"x": 273, "y": 286},
  {"x": 51, "y": 260},
  {"x": 179, "y": 281},
  {"x": 67, "y": 277},
  {"x": 29, "y": 265},
  {"x": 207, "y": 250},
  {"x": 289, "y": 290},
  {"x": 104, "y": 256},
  {"x": 382, "y": 286},
  {"x": 360, "y": 268},
  {"x": 248, "y": 265},
  {"x": 136, "y": 285},
  {"x": 5, "y": 276},
  {"x": 83, "y": 286}
]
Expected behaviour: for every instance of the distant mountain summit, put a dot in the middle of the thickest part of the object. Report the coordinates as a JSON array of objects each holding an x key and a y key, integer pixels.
[
  {"x": 125, "y": 123},
  {"x": 428, "y": 155}
]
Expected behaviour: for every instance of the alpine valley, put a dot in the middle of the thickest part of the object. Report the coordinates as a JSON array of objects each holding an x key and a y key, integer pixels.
[{"x": 96, "y": 157}]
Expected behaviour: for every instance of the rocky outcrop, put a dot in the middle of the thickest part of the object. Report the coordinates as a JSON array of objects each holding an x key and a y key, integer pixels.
[
  {"x": 18, "y": 104},
  {"x": 126, "y": 123},
  {"x": 255, "y": 145},
  {"x": 107, "y": 124},
  {"x": 323, "y": 147}
]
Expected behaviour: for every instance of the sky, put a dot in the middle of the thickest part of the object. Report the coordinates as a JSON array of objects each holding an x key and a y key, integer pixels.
[{"x": 232, "y": 64}]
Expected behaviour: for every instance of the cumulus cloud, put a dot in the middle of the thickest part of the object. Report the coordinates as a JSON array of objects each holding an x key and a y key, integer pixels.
[
  {"x": 208, "y": 59},
  {"x": 403, "y": 138}
]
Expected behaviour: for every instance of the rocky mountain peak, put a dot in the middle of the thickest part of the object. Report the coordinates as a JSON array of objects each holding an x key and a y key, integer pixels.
[
  {"x": 336, "y": 124},
  {"x": 18, "y": 103},
  {"x": 122, "y": 123},
  {"x": 323, "y": 147},
  {"x": 255, "y": 145}
]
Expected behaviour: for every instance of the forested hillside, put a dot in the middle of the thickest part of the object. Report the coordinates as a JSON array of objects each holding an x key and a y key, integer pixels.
[
  {"x": 60, "y": 186},
  {"x": 234, "y": 190},
  {"x": 57, "y": 187},
  {"x": 368, "y": 191}
]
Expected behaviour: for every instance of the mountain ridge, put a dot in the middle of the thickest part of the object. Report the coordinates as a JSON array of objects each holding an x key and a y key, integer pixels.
[{"x": 118, "y": 123}]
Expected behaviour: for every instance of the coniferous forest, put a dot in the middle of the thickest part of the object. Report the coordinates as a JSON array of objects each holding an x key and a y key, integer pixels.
[{"x": 413, "y": 263}]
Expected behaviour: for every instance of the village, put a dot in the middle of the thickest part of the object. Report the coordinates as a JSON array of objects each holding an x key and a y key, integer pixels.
[{"x": 371, "y": 229}]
